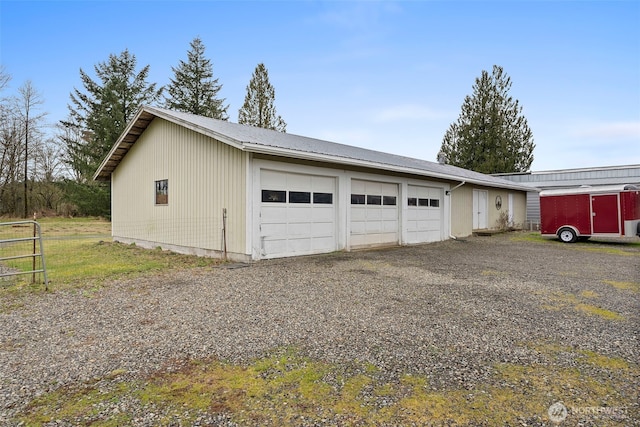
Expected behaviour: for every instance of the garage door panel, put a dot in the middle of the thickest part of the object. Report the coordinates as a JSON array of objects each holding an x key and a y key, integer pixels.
[
  {"x": 298, "y": 214},
  {"x": 323, "y": 184},
  {"x": 374, "y": 224},
  {"x": 299, "y": 182},
  {"x": 389, "y": 214},
  {"x": 373, "y": 227},
  {"x": 358, "y": 213},
  {"x": 299, "y": 229},
  {"x": 425, "y": 220},
  {"x": 389, "y": 189},
  {"x": 289, "y": 228},
  {"x": 320, "y": 243},
  {"x": 270, "y": 230},
  {"x": 321, "y": 229},
  {"x": 298, "y": 245},
  {"x": 390, "y": 226},
  {"x": 274, "y": 246},
  {"x": 321, "y": 214}
]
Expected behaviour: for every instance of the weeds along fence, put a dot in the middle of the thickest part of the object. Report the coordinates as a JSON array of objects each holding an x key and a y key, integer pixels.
[{"x": 29, "y": 253}]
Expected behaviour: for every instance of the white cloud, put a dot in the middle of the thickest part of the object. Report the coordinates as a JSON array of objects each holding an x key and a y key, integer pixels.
[
  {"x": 611, "y": 130},
  {"x": 356, "y": 16},
  {"x": 408, "y": 112}
]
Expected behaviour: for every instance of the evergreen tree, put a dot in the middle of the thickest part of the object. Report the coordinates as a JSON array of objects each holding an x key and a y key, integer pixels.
[
  {"x": 100, "y": 113},
  {"x": 193, "y": 88},
  {"x": 97, "y": 117},
  {"x": 491, "y": 134},
  {"x": 258, "y": 108}
]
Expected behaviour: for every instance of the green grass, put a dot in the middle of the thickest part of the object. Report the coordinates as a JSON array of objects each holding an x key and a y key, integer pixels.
[
  {"x": 285, "y": 387},
  {"x": 79, "y": 254},
  {"x": 628, "y": 247},
  {"x": 563, "y": 300}
]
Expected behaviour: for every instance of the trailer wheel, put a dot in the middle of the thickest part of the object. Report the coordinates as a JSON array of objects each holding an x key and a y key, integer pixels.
[{"x": 567, "y": 235}]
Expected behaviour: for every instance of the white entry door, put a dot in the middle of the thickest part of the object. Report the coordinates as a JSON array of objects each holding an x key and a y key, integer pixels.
[
  {"x": 297, "y": 214},
  {"x": 480, "y": 208},
  {"x": 424, "y": 214},
  {"x": 374, "y": 213}
]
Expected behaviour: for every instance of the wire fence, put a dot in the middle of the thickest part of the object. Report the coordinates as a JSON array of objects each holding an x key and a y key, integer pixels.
[{"x": 28, "y": 254}]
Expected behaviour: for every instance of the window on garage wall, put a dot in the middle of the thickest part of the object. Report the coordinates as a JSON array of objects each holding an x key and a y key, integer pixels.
[
  {"x": 373, "y": 199},
  {"x": 323, "y": 198},
  {"x": 274, "y": 196},
  {"x": 415, "y": 201},
  {"x": 389, "y": 200},
  {"x": 299, "y": 197},
  {"x": 357, "y": 199},
  {"x": 162, "y": 192}
]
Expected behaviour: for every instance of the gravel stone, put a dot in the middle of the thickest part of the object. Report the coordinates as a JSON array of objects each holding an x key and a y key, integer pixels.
[{"x": 448, "y": 310}]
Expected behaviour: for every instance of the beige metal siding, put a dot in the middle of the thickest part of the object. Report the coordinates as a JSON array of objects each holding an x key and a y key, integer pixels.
[
  {"x": 519, "y": 205},
  {"x": 204, "y": 176},
  {"x": 461, "y": 211},
  {"x": 462, "y": 208}
]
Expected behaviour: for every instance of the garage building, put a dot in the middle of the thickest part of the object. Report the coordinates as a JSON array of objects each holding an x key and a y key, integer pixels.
[{"x": 202, "y": 186}]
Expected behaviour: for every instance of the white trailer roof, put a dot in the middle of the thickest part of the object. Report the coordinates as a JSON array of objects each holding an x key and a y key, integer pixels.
[{"x": 590, "y": 190}]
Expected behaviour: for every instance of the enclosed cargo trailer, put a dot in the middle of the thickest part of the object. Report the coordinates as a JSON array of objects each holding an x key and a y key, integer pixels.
[{"x": 580, "y": 213}]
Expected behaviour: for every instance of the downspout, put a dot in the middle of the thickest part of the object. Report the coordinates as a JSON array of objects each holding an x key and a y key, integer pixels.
[{"x": 448, "y": 193}]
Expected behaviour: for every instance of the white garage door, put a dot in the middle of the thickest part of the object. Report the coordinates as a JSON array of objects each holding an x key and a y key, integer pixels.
[
  {"x": 424, "y": 214},
  {"x": 374, "y": 213},
  {"x": 297, "y": 214}
]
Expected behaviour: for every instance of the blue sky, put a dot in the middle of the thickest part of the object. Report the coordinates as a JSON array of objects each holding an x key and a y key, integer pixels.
[{"x": 390, "y": 76}]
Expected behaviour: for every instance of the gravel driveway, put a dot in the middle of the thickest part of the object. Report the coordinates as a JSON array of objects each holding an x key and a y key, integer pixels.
[{"x": 447, "y": 310}]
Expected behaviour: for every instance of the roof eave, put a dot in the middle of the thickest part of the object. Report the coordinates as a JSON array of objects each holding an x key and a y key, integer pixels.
[{"x": 278, "y": 151}]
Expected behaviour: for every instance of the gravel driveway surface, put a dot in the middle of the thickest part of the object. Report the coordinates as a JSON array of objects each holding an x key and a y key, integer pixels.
[{"x": 448, "y": 310}]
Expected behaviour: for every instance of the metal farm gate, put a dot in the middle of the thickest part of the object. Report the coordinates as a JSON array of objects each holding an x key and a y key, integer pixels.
[{"x": 21, "y": 250}]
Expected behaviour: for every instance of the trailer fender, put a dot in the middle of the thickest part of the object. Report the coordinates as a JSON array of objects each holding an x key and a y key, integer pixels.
[{"x": 568, "y": 234}]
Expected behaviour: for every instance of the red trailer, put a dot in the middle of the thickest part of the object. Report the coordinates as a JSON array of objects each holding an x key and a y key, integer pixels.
[{"x": 579, "y": 213}]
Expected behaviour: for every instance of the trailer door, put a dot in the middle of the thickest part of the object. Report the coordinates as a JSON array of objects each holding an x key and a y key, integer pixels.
[{"x": 605, "y": 215}]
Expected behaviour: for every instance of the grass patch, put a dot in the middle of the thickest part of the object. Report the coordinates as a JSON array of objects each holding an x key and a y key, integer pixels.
[
  {"x": 531, "y": 237},
  {"x": 599, "y": 311},
  {"x": 627, "y": 248},
  {"x": 563, "y": 300},
  {"x": 286, "y": 388},
  {"x": 624, "y": 286},
  {"x": 79, "y": 254}
]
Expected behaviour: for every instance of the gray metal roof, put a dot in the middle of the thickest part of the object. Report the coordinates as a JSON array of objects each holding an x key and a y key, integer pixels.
[
  {"x": 265, "y": 141},
  {"x": 565, "y": 178}
]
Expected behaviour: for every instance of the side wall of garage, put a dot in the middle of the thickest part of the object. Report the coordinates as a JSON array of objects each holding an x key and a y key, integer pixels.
[{"x": 171, "y": 188}]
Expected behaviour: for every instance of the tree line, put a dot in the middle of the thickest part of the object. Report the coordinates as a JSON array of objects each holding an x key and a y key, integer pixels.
[{"x": 52, "y": 172}]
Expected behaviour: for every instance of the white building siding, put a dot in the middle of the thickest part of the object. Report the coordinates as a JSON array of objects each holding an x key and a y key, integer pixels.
[{"x": 203, "y": 175}]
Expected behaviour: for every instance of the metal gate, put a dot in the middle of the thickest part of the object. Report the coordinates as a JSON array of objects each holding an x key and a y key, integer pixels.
[{"x": 10, "y": 241}]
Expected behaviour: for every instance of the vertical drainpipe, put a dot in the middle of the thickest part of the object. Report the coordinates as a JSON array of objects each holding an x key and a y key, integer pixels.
[{"x": 448, "y": 193}]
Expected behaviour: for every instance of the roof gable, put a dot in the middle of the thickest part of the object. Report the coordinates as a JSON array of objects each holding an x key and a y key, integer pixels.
[{"x": 265, "y": 141}]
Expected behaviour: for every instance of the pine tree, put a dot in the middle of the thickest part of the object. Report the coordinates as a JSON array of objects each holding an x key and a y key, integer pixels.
[
  {"x": 258, "y": 108},
  {"x": 99, "y": 114},
  {"x": 97, "y": 117},
  {"x": 193, "y": 88},
  {"x": 491, "y": 135}
]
